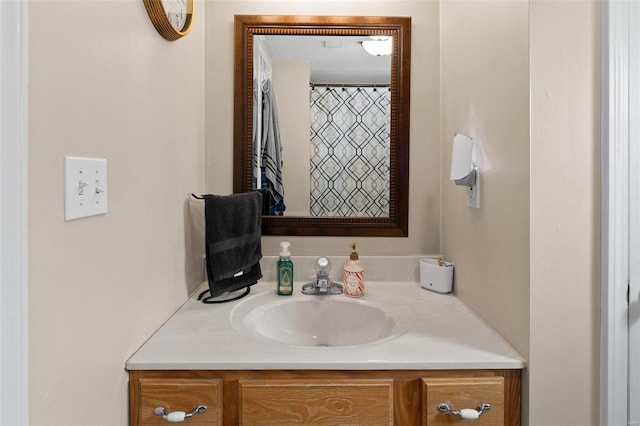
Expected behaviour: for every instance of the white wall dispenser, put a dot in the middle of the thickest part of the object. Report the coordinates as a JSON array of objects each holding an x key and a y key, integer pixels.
[{"x": 464, "y": 171}]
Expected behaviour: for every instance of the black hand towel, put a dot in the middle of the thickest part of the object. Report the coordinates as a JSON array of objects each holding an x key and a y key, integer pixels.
[{"x": 233, "y": 245}]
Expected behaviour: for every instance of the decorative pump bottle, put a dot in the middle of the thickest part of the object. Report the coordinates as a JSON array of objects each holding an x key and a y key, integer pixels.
[
  {"x": 285, "y": 270},
  {"x": 353, "y": 275}
]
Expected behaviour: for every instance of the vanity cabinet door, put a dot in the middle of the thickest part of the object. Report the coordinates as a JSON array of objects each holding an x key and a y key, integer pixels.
[
  {"x": 177, "y": 395},
  {"x": 463, "y": 393},
  {"x": 317, "y": 402}
]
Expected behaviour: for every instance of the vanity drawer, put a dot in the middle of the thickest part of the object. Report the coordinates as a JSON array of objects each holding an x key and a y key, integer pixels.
[
  {"x": 178, "y": 395},
  {"x": 318, "y": 402},
  {"x": 463, "y": 393}
]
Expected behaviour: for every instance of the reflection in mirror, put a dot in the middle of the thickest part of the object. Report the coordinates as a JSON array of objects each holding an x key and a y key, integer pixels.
[
  {"x": 327, "y": 143},
  {"x": 328, "y": 122}
]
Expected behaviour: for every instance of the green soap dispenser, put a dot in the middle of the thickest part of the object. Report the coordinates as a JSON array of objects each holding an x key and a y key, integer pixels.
[{"x": 285, "y": 270}]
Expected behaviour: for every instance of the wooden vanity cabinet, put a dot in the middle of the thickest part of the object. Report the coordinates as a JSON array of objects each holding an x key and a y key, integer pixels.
[
  {"x": 175, "y": 394},
  {"x": 319, "y": 397},
  {"x": 463, "y": 393},
  {"x": 316, "y": 401}
]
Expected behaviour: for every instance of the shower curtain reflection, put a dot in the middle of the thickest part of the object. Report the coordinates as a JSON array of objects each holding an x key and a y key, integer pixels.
[{"x": 350, "y": 151}]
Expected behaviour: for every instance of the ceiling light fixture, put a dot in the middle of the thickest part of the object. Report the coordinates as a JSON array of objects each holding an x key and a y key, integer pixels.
[{"x": 379, "y": 46}]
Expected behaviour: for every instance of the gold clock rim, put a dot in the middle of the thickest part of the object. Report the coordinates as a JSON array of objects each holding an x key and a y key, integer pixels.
[{"x": 161, "y": 22}]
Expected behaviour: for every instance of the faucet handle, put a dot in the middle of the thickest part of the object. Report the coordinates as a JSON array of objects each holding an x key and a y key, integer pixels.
[
  {"x": 322, "y": 283},
  {"x": 323, "y": 266}
]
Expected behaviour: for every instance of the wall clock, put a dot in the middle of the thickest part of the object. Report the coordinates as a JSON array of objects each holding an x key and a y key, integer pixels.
[{"x": 172, "y": 18}]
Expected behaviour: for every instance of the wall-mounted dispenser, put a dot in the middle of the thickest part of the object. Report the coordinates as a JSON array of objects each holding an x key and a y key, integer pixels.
[{"x": 463, "y": 169}]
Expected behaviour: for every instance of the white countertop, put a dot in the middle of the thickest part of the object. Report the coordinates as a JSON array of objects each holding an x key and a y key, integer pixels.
[{"x": 436, "y": 331}]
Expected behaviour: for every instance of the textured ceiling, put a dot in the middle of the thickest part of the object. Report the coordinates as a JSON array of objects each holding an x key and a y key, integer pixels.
[{"x": 333, "y": 59}]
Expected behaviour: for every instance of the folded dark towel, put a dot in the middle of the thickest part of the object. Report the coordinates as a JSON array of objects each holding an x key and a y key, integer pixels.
[{"x": 233, "y": 241}]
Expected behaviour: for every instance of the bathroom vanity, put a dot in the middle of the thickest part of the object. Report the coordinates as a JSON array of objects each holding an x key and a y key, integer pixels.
[
  {"x": 420, "y": 351},
  {"x": 325, "y": 397}
]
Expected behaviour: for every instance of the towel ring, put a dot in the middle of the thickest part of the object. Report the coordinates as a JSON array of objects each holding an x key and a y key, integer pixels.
[{"x": 210, "y": 299}]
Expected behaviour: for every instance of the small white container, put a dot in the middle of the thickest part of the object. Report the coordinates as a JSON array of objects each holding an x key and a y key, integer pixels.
[{"x": 434, "y": 277}]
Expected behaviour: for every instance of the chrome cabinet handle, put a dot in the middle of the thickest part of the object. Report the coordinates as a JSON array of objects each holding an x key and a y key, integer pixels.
[
  {"x": 465, "y": 413},
  {"x": 179, "y": 416}
]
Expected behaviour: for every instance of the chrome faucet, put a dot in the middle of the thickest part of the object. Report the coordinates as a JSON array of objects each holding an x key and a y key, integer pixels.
[{"x": 322, "y": 284}]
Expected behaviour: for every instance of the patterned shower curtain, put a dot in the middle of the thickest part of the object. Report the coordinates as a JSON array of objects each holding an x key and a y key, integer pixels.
[{"x": 350, "y": 134}]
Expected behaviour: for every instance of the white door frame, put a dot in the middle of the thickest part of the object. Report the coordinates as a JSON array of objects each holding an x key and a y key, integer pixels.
[
  {"x": 13, "y": 212},
  {"x": 632, "y": 309},
  {"x": 618, "y": 40}
]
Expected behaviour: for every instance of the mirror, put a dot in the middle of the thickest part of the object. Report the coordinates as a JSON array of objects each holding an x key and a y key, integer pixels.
[{"x": 379, "y": 206}]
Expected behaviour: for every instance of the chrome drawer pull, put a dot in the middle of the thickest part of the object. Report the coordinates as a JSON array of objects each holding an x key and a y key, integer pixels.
[
  {"x": 465, "y": 413},
  {"x": 179, "y": 416}
]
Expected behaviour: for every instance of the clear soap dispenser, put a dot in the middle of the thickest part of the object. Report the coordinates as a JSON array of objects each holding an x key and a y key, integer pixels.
[
  {"x": 285, "y": 270},
  {"x": 353, "y": 274}
]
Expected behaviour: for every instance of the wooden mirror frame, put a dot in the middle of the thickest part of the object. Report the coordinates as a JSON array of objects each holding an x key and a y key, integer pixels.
[{"x": 246, "y": 26}]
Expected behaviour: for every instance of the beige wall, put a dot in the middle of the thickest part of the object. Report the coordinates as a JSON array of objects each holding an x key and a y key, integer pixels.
[
  {"x": 105, "y": 86},
  {"x": 485, "y": 95},
  {"x": 291, "y": 83},
  {"x": 424, "y": 133},
  {"x": 103, "y": 83},
  {"x": 537, "y": 229},
  {"x": 565, "y": 170}
]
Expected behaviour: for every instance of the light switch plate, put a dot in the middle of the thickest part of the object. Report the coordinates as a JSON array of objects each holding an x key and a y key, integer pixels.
[{"x": 85, "y": 187}]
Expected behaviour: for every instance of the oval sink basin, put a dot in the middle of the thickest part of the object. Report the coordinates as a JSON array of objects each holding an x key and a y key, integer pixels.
[{"x": 319, "y": 321}]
